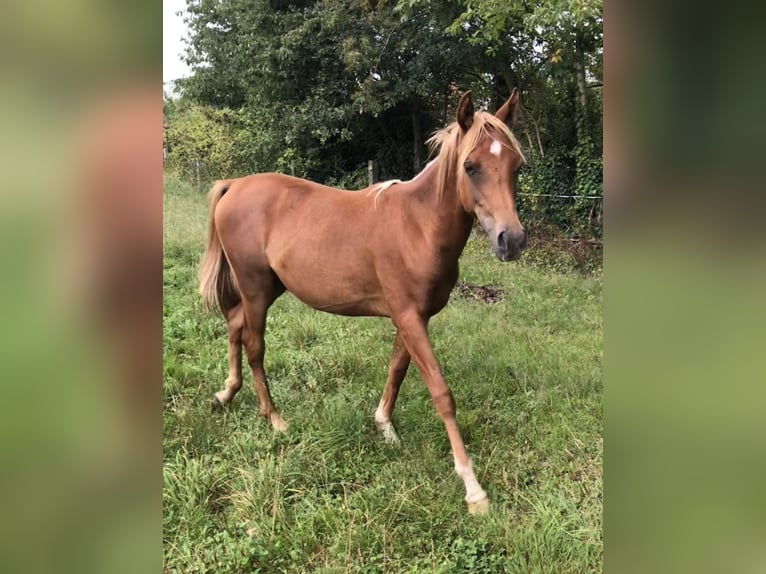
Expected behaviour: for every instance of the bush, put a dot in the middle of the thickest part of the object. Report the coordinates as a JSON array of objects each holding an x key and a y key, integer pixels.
[{"x": 204, "y": 144}]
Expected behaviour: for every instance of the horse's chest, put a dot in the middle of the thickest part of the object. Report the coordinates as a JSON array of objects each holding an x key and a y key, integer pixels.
[{"x": 436, "y": 290}]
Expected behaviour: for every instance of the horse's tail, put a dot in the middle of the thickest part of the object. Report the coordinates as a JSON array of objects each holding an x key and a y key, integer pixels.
[{"x": 217, "y": 284}]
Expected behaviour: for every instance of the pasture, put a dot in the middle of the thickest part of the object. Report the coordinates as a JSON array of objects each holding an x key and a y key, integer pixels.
[{"x": 329, "y": 495}]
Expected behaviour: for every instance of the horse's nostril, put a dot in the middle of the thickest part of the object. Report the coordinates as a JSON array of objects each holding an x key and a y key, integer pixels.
[{"x": 502, "y": 237}]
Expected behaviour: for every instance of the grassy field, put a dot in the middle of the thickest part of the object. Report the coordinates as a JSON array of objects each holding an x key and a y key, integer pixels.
[{"x": 330, "y": 495}]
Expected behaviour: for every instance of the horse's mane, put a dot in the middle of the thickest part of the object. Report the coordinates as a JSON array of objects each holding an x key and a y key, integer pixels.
[{"x": 454, "y": 146}]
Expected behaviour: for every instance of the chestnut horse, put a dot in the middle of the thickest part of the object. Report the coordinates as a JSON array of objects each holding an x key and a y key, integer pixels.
[{"x": 390, "y": 250}]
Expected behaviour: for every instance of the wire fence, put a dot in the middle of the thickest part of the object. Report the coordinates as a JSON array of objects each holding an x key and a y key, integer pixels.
[
  {"x": 573, "y": 215},
  {"x": 560, "y": 195}
]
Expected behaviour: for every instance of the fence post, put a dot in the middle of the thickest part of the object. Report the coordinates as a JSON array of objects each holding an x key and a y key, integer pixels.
[
  {"x": 372, "y": 171},
  {"x": 196, "y": 163}
]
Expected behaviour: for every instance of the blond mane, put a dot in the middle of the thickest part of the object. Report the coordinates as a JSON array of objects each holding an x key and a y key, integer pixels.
[{"x": 454, "y": 146}]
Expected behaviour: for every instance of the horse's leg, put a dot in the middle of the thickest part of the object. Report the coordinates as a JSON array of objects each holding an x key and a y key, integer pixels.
[
  {"x": 413, "y": 329},
  {"x": 255, "y": 325},
  {"x": 397, "y": 369},
  {"x": 234, "y": 324}
]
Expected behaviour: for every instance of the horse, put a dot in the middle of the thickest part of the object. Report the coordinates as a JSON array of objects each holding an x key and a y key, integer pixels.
[{"x": 389, "y": 250}]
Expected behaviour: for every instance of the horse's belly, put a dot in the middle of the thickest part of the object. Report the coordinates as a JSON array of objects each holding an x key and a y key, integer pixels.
[
  {"x": 339, "y": 301},
  {"x": 334, "y": 286}
]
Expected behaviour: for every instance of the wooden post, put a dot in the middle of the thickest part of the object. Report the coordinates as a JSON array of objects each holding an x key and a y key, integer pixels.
[{"x": 372, "y": 171}]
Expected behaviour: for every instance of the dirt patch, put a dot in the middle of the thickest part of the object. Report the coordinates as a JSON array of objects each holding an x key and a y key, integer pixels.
[{"x": 484, "y": 293}]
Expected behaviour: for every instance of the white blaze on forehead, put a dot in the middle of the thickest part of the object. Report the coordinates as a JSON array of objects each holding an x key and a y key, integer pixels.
[{"x": 496, "y": 148}]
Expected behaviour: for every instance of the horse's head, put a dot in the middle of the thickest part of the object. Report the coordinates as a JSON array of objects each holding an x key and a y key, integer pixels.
[{"x": 489, "y": 159}]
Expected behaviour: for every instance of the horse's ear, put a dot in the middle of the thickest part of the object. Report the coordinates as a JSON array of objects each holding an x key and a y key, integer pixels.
[
  {"x": 509, "y": 111},
  {"x": 465, "y": 112}
]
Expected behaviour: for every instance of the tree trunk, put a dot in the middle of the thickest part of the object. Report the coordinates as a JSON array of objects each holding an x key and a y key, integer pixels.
[
  {"x": 580, "y": 74},
  {"x": 417, "y": 134}
]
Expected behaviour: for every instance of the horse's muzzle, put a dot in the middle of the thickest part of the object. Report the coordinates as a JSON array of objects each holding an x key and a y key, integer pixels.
[{"x": 509, "y": 245}]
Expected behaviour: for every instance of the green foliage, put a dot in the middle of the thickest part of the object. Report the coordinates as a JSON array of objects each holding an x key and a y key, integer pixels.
[
  {"x": 356, "y": 179},
  {"x": 472, "y": 556},
  {"x": 576, "y": 172},
  {"x": 588, "y": 180},
  {"x": 204, "y": 143}
]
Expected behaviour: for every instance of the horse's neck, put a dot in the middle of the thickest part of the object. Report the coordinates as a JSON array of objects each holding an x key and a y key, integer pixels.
[{"x": 446, "y": 223}]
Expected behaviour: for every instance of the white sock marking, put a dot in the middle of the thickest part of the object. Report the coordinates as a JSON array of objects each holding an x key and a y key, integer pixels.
[
  {"x": 384, "y": 425},
  {"x": 473, "y": 490}
]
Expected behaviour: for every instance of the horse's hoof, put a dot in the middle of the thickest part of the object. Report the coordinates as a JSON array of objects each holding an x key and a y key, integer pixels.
[
  {"x": 479, "y": 507},
  {"x": 278, "y": 423},
  {"x": 390, "y": 435},
  {"x": 389, "y": 432},
  {"x": 216, "y": 404}
]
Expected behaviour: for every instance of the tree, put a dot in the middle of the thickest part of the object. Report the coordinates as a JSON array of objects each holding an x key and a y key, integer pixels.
[{"x": 318, "y": 87}]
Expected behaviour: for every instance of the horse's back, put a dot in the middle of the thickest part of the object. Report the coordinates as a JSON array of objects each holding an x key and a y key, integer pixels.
[{"x": 282, "y": 194}]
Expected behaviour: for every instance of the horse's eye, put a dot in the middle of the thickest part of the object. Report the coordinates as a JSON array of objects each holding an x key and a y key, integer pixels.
[{"x": 470, "y": 167}]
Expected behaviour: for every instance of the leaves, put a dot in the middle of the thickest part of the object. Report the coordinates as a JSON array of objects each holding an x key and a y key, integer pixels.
[{"x": 316, "y": 88}]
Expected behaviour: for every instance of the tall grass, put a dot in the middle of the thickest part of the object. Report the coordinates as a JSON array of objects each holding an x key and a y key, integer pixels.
[{"x": 330, "y": 495}]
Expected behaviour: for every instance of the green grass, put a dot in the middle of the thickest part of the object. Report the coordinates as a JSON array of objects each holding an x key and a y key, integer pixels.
[{"x": 330, "y": 495}]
